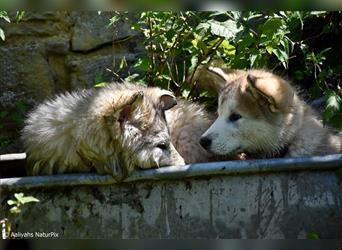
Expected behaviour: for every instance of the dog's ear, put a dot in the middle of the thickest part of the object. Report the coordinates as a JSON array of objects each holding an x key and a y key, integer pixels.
[
  {"x": 167, "y": 100},
  {"x": 278, "y": 93}
]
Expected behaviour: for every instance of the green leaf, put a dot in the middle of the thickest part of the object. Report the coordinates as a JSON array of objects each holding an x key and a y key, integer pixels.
[
  {"x": 269, "y": 49},
  {"x": 194, "y": 61},
  {"x": 132, "y": 78},
  {"x": 271, "y": 26},
  {"x": 11, "y": 202},
  {"x": 319, "y": 13},
  {"x": 25, "y": 199},
  {"x": 229, "y": 49},
  {"x": 4, "y": 15},
  {"x": 123, "y": 63},
  {"x": 15, "y": 210},
  {"x": 194, "y": 42},
  {"x": 2, "y": 34},
  {"x": 114, "y": 20},
  {"x": 99, "y": 78},
  {"x": 333, "y": 101},
  {"x": 101, "y": 84},
  {"x": 28, "y": 199},
  {"x": 313, "y": 236},
  {"x": 282, "y": 56},
  {"x": 333, "y": 105},
  {"x": 252, "y": 59},
  {"x": 19, "y": 196},
  {"x": 227, "y": 29},
  {"x": 19, "y": 16},
  {"x": 185, "y": 93},
  {"x": 201, "y": 30},
  {"x": 164, "y": 77},
  {"x": 142, "y": 64}
]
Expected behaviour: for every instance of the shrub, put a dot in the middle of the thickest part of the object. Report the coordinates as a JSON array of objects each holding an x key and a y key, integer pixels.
[{"x": 302, "y": 45}]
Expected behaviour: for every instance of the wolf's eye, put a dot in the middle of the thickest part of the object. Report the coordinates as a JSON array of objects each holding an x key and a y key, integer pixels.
[
  {"x": 234, "y": 117},
  {"x": 163, "y": 146}
]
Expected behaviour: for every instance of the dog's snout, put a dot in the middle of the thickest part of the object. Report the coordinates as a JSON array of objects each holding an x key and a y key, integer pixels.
[{"x": 205, "y": 142}]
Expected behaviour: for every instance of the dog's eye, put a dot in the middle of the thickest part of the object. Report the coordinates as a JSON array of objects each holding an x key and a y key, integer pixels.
[
  {"x": 163, "y": 146},
  {"x": 234, "y": 117}
]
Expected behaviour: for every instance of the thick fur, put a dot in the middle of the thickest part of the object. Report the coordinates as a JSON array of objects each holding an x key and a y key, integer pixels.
[
  {"x": 109, "y": 130},
  {"x": 187, "y": 122},
  {"x": 273, "y": 118}
]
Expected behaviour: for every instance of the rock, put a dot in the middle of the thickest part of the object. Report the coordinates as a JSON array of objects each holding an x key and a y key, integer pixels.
[
  {"x": 36, "y": 25},
  {"x": 58, "y": 44},
  {"x": 41, "y": 15},
  {"x": 92, "y": 30},
  {"x": 24, "y": 74},
  {"x": 44, "y": 15},
  {"x": 87, "y": 70},
  {"x": 59, "y": 72}
]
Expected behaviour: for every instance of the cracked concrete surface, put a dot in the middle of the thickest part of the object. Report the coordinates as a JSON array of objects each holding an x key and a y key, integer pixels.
[{"x": 274, "y": 205}]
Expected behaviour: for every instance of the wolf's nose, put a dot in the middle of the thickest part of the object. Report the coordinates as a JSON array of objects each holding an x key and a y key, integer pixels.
[{"x": 205, "y": 142}]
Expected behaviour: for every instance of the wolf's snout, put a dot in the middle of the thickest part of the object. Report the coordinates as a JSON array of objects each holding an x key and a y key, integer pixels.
[{"x": 205, "y": 142}]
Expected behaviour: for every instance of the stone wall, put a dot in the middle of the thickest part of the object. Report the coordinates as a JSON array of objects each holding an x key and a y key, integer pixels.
[{"x": 51, "y": 52}]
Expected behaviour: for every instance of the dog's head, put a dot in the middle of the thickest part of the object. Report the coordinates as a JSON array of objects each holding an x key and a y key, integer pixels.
[
  {"x": 253, "y": 109},
  {"x": 137, "y": 122}
]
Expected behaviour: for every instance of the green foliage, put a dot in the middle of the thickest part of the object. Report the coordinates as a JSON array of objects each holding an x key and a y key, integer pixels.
[
  {"x": 20, "y": 14},
  {"x": 100, "y": 84},
  {"x": 304, "y": 45},
  {"x": 20, "y": 200},
  {"x": 333, "y": 108},
  {"x": 4, "y": 16},
  {"x": 15, "y": 209},
  {"x": 313, "y": 236}
]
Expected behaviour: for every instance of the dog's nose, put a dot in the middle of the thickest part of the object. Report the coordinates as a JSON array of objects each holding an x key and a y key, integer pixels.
[{"x": 205, "y": 142}]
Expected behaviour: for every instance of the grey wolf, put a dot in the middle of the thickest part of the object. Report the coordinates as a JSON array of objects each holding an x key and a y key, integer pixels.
[
  {"x": 112, "y": 130},
  {"x": 260, "y": 114}
]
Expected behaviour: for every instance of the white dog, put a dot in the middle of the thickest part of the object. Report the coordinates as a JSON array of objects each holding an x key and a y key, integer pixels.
[{"x": 260, "y": 114}]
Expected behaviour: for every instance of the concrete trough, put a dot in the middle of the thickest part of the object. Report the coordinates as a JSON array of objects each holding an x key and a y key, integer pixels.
[{"x": 276, "y": 198}]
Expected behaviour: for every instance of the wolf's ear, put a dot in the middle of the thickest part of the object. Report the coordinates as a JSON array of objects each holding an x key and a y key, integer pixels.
[
  {"x": 212, "y": 79},
  {"x": 167, "y": 100},
  {"x": 278, "y": 93},
  {"x": 221, "y": 75},
  {"x": 129, "y": 105}
]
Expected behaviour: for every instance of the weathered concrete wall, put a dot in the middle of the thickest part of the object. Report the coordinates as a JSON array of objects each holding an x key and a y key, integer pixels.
[{"x": 273, "y": 205}]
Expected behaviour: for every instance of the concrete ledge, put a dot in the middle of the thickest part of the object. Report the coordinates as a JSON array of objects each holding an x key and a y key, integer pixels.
[
  {"x": 315, "y": 163},
  {"x": 264, "y": 199}
]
